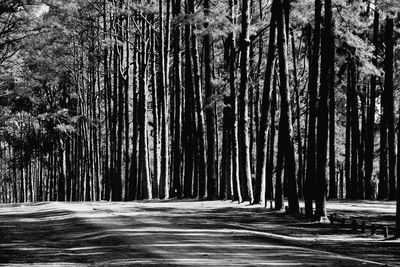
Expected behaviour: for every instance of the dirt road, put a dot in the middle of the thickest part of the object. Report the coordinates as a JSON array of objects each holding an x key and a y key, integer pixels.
[{"x": 193, "y": 233}]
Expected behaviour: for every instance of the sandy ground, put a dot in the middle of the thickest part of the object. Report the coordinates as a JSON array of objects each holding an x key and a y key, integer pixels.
[{"x": 196, "y": 233}]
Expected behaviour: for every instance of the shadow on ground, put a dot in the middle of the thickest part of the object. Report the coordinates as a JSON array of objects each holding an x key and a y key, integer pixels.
[{"x": 174, "y": 233}]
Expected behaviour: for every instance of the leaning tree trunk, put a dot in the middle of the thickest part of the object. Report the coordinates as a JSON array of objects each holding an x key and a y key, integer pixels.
[
  {"x": 286, "y": 114},
  {"x": 262, "y": 152}
]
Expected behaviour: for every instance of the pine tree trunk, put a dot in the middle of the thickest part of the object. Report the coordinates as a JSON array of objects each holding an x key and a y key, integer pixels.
[
  {"x": 244, "y": 135},
  {"x": 370, "y": 141},
  {"x": 262, "y": 151},
  {"x": 212, "y": 190},
  {"x": 327, "y": 71},
  {"x": 271, "y": 154},
  {"x": 309, "y": 185},
  {"x": 332, "y": 123},
  {"x": 133, "y": 176},
  {"x": 164, "y": 168},
  {"x": 202, "y": 157},
  {"x": 188, "y": 127},
  {"x": 397, "y": 230},
  {"x": 155, "y": 119},
  {"x": 383, "y": 172},
  {"x": 143, "y": 121},
  {"x": 237, "y": 194},
  {"x": 348, "y": 134},
  {"x": 286, "y": 114},
  {"x": 354, "y": 129},
  {"x": 126, "y": 110},
  {"x": 300, "y": 181},
  {"x": 361, "y": 146},
  {"x": 225, "y": 190},
  {"x": 389, "y": 98},
  {"x": 177, "y": 186}
]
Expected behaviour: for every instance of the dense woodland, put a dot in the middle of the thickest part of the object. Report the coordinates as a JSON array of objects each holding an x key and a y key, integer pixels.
[{"x": 246, "y": 100}]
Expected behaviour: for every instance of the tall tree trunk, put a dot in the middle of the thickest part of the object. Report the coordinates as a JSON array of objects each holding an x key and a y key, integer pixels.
[
  {"x": 332, "y": 120},
  {"x": 143, "y": 143},
  {"x": 327, "y": 71},
  {"x": 298, "y": 120},
  {"x": 309, "y": 186},
  {"x": 188, "y": 127},
  {"x": 262, "y": 151},
  {"x": 397, "y": 230},
  {"x": 177, "y": 186},
  {"x": 244, "y": 136},
  {"x": 389, "y": 99},
  {"x": 156, "y": 143},
  {"x": 286, "y": 114},
  {"x": 234, "y": 103},
  {"x": 361, "y": 145},
  {"x": 202, "y": 159},
  {"x": 210, "y": 115},
  {"x": 280, "y": 161},
  {"x": 369, "y": 145},
  {"x": 126, "y": 110},
  {"x": 383, "y": 172},
  {"x": 133, "y": 176},
  {"x": 348, "y": 133},
  {"x": 164, "y": 168},
  {"x": 355, "y": 138},
  {"x": 270, "y": 169}
]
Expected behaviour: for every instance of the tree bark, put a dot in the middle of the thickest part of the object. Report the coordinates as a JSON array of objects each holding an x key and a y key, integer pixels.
[
  {"x": 177, "y": 185},
  {"x": 262, "y": 151},
  {"x": 309, "y": 185},
  {"x": 244, "y": 135},
  {"x": 389, "y": 98},
  {"x": 212, "y": 189},
  {"x": 327, "y": 51},
  {"x": 370, "y": 141},
  {"x": 286, "y": 114},
  {"x": 188, "y": 128}
]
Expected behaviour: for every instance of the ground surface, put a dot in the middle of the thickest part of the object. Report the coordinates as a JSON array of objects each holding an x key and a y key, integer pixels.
[{"x": 188, "y": 233}]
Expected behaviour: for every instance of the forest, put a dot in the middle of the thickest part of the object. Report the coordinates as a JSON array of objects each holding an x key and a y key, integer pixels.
[{"x": 243, "y": 100}]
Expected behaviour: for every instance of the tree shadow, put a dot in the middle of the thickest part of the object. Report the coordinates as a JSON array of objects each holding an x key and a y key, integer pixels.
[
  {"x": 59, "y": 236},
  {"x": 151, "y": 234}
]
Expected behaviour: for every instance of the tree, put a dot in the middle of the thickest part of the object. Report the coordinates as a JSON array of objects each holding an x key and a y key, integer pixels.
[
  {"x": 390, "y": 105},
  {"x": 177, "y": 186},
  {"x": 312, "y": 88},
  {"x": 286, "y": 114},
  {"x": 189, "y": 113},
  {"x": 212, "y": 190},
  {"x": 327, "y": 80},
  {"x": 369, "y": 146},
  {"x": 262, "y": 151},
  {"x": 244, "y": 137}
]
